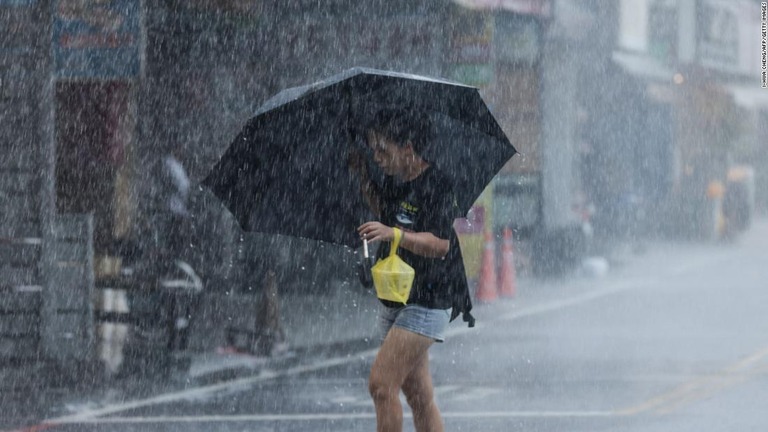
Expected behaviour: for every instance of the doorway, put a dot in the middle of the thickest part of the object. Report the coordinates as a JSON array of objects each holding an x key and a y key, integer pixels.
[{"x": 94, "y": 126}]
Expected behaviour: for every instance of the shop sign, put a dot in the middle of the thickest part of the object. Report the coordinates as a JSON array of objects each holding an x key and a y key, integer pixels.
[
  {"x": 96, "y": 38},
  {"x": 718, "y": 34},
  {"x": 725, "y": 37},
  {"x": 404, "y": 36},
  {"x": 470, "y": 50},
  {"x": 516, "y": 39}
]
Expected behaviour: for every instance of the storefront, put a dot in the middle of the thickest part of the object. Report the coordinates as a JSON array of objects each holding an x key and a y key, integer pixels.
[
  {"x": 97, "y": 54},
  {"x": 712, "y": 124}
]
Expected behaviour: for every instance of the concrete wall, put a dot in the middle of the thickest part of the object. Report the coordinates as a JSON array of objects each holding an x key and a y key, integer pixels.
[{"x": 24, "y": 116}]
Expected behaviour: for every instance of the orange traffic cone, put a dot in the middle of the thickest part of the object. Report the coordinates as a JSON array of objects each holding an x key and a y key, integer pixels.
[
  {"x": 486, "y": 287},
  {"x": 508, "y": 284}
]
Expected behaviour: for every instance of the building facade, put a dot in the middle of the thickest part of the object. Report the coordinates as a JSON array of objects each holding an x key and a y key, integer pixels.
[{"x": 96, "y": 93}]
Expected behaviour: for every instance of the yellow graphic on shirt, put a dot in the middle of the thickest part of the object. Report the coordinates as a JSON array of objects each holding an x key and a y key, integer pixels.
[{"x": 406, "y": 215}]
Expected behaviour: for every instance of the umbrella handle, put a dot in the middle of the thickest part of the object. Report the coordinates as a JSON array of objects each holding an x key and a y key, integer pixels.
[{"x": 365, "y": 248}]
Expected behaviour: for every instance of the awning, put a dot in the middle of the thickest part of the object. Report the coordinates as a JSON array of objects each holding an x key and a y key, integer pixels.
[
  {"x": 749, "y": 96},
  {"x": 643, "y": 66},
  {"x": 524, "y": 7}
]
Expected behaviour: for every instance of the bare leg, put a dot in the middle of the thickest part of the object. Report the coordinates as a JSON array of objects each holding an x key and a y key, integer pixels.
[
  {"x": 421, "y": 398},
  {"x": 401, "y": 352}
]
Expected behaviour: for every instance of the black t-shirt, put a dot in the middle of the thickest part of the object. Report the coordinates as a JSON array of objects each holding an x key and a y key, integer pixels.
[{"x": 425, "y": 204}]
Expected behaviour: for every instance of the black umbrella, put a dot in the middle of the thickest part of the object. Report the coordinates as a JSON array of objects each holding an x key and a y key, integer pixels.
[{"x": 286, "y": 172}]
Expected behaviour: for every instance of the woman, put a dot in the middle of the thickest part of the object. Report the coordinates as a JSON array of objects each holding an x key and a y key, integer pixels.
[{"x": 418, "y": 199}]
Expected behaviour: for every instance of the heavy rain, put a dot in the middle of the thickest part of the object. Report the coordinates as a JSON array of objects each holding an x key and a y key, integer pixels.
[{"x": 188, "y": 188}]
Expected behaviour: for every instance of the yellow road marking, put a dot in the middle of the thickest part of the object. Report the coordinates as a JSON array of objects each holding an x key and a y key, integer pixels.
[{"x": 702, "y": 387}]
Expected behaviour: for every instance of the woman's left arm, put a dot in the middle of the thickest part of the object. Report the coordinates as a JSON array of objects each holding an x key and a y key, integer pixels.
[{"x": 425, "y": 244}]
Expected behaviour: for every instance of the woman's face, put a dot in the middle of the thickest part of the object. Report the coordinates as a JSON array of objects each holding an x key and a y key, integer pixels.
[{"x": 389, "y": 156}]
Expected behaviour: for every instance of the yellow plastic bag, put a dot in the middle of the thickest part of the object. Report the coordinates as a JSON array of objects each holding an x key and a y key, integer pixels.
[{"x": 392, "y": 276}]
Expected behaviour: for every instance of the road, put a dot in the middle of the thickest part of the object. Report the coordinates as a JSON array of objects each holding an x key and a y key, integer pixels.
[{"x": 675, "y": 339}]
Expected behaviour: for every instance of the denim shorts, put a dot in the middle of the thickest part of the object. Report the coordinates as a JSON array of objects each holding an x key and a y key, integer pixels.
[{"x": 414, "y": 318}]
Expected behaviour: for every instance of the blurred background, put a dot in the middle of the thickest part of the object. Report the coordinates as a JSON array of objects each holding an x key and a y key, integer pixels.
[{"x": 635, "y": 120}]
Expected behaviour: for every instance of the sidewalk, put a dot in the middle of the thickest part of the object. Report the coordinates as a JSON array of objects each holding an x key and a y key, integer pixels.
[
  {"x": 339, "y": 324},
  {"x": 342, "y": 321},
  {"x": 343, "y": 317}
]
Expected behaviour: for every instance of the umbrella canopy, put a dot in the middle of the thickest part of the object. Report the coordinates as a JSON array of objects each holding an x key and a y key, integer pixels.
[{"x": 286, "y": 171}]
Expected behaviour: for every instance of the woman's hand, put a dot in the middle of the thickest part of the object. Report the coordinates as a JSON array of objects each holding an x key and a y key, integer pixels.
[
  {"x": 376, "y": 231},
  {"x": 422, "y": 243}
]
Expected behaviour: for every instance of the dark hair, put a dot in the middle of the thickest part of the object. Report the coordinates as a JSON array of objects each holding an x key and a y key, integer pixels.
[{"x": 402, "y": 125}]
